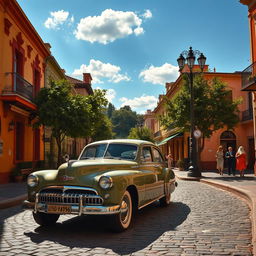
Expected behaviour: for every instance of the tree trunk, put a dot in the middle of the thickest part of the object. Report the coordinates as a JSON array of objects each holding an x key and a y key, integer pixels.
[{"x": 58, "y": 141}]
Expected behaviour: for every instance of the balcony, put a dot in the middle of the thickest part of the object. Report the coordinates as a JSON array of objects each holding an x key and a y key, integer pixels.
[
  {"x": 247, "y": 115},
  {"x": 249, "y": 78},
  {"x": 18, "y": 91}
]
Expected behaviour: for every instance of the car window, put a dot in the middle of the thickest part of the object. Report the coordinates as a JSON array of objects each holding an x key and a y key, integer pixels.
[
  {"x": 94, "y": 151},
  {"x": 121, "y": 151},
  {"x": 157, "y": 155},
  {"x": 146, "y": 154}
]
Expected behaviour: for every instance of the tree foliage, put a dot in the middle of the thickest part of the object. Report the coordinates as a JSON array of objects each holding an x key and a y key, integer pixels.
[
  {"x": 110, "y": 110},
  {"x": 141, "y": 133},
  {"x": 68, "y": 114},
  {"x": 103, "y": 129},
  {"x": 213, "y": 107},
  {"x": 123, "y": 120}
]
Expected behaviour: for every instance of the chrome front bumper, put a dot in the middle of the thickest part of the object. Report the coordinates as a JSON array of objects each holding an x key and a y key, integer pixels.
[{"x": 75, "y": 209}]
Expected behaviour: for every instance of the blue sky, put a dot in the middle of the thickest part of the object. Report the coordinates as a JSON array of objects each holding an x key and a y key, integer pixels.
[{"x": 131, "y": 47}]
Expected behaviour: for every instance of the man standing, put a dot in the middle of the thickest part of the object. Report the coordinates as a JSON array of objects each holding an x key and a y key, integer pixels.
[{"x": 231, "y": 157}]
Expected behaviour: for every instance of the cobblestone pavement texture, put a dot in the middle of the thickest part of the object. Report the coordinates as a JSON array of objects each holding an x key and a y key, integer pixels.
[{"x": 201, "y": 220}]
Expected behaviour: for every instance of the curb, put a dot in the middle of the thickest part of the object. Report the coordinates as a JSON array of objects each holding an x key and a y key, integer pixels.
[
  {"x": 244, "y": 194},
  {"x": 13, "y": 201}
]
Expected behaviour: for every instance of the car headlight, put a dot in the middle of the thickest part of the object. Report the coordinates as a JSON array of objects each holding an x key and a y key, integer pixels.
[
  {"x": 106, "y": 182},
  {"x": 32, "y": 180}
]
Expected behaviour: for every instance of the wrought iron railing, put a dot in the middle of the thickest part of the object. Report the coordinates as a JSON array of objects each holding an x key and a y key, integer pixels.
[
  {"x": 247, "y": 115},
  {"x": 249, "y": 76},
  {"x": 15, "y": 84}
]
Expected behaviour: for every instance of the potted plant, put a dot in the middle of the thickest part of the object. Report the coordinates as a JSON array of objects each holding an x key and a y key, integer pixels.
[
  {"x": 16, "y": 174},
  {"x": 180, "y": 164}
]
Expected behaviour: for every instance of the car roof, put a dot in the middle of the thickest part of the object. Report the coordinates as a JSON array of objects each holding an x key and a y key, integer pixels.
[{"x": 133, "y": 141}]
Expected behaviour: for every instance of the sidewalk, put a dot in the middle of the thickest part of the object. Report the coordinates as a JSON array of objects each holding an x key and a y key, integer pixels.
[
  {"x": 12, "y": 194},
  {"x": 244, "y": 187}
]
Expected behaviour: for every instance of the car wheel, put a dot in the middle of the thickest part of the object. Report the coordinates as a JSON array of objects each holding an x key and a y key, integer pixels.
[
  {"x": 44, "y": 219},
  {"x": 166, "y": 200},
  {"x": 122, "y": 220}
]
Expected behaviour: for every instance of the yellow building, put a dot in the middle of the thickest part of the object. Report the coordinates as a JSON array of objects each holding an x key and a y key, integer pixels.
[
  {"x": 22, "y": 67},
  {"x": 53, "y": 72}
]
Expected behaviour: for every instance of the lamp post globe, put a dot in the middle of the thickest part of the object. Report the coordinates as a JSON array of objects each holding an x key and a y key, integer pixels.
[{"x": 193, "y": 170}]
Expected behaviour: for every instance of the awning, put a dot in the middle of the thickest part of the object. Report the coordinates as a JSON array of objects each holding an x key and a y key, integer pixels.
[{"x": 178, "y": 134}]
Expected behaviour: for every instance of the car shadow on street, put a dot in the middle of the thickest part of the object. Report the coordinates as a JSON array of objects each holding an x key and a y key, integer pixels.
[{"x": 90, "y": 232}]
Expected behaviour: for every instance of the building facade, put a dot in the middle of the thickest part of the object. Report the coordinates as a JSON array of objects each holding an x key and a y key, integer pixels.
[
  {"x": 249, "y": 73},
  {"x": 22, "y": 67},
  {"x": 175, "y": 141}
]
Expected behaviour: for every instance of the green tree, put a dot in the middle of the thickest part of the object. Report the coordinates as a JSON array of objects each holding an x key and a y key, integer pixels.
[
  {"x": 141, "y": 133},
  {"x": 213, "y": 106},
  {"x": 68, "y": 114},
  {"x": 103, "y": 129},
  {"x": 110, "y": 109},
  {"x": 123, "y": 120}
]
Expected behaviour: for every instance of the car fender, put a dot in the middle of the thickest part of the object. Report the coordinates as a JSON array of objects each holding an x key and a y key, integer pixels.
[{"x": 122, "y": 179}]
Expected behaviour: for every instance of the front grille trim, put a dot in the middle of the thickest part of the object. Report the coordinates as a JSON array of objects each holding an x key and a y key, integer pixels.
[{"x": 64, "y": 197}]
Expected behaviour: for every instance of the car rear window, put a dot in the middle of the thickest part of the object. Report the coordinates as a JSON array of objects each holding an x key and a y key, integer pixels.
[{"x": 122, "y": 151}]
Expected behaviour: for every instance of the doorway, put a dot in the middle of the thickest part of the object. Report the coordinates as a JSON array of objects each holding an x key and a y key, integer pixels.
[
  {"x": 251, "y": 154},
  {"x": 19, "y": 141}
]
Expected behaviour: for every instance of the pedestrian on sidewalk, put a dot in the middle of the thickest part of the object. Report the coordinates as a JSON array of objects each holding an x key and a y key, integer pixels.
[
  {"x": 220, "y": 160},
  {"x": 231, "y": 158},
  {"x": 169, "y": 160},
  {"x": 241, "y": 160}
]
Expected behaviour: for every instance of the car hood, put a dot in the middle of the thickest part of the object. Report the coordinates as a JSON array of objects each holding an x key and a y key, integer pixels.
[{"x": 85, "y": 172}]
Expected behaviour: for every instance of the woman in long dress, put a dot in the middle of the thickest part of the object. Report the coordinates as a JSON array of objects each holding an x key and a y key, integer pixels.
[
  {"x": 241, "y": 160},
  {"x": 220, "y": 160}
]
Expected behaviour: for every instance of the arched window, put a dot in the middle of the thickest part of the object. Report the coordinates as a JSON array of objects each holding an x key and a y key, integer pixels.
[
  {"x": 228, "y": 139},
  {"x": 227, "y": 135}
]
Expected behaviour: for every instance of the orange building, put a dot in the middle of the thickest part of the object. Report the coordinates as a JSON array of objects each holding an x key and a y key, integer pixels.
[
  {"x": 249, "y": 73},
  {"x": 175, "y": 141},
  {"x": 22, "y": 64}
]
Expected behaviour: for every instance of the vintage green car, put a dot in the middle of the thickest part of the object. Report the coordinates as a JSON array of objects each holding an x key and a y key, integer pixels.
[{"x": 110, "y": 177}]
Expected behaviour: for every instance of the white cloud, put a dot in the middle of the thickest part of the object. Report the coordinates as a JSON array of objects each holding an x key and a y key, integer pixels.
[
  {"x": 58, "y": 18},
  {"x": 109, "y": 26},
  {"x": 138, "y": 31},
  {"x": 110, "y": 94},
  {"x": 160, "y": 75},
  {"x": 100, "y": 70},
  {"x": 145, "y": 102},
  {"x": 147, "y": 14}
]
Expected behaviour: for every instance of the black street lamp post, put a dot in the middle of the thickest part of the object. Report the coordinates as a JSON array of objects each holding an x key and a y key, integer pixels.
[{"x": 193, "y": 170}]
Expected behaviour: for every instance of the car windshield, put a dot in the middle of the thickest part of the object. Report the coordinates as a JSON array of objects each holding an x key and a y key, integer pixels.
[{"x": 110, "y": 151}]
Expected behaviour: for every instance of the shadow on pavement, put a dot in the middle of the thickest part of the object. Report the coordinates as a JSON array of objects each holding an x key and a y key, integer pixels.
[
  {"x": 92, "y": 231},
  {"x": 7, "y": 213},
  {"x": 231, "y": 178}
]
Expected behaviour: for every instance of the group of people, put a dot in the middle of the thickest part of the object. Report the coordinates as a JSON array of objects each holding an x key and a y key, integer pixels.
[{"x": 235, "y": 160}]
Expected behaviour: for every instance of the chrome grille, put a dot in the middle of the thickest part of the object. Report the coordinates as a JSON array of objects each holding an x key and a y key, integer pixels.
[{"x": 69, "y": 196}]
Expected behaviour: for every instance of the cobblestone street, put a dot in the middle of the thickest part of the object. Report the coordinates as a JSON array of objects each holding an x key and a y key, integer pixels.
[{"x": 201, "y": 220}]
